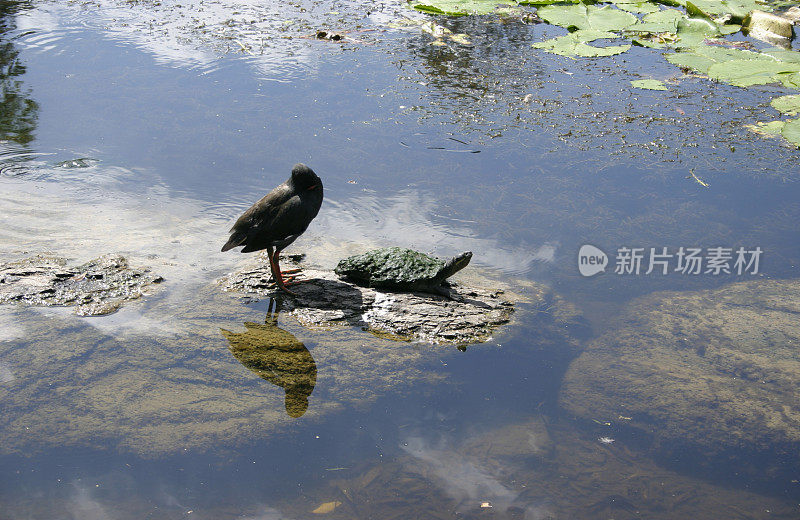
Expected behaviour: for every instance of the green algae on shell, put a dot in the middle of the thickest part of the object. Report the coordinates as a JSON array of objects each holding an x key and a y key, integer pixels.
[{"x": 400, "y": 268}]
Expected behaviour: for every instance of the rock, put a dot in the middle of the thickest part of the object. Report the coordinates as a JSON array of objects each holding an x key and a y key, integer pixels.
[
  {"x": 792, "y": 14},
  {"x": 96, "y": 288},
  {"x": 706, "y": 376},
  {"x": 768, "y": 27},
  {"x": 535, "y": 469},
  {"x": 325, "y": 300}
]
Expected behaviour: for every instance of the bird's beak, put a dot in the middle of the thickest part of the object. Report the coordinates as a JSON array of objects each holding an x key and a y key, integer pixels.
[{"x": 314, "y": 187}]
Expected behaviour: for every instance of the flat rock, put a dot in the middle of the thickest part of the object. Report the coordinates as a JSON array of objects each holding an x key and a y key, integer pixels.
[
  {"x": 95, "y": 288},
  {"x": 323, "y": 299}
]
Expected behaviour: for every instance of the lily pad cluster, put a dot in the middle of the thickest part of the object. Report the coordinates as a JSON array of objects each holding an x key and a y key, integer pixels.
[{"x": 693, "y": 30}]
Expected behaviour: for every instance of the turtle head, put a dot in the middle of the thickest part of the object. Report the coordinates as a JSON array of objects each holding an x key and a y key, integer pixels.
[
  {"x": 304, "y": 178},
  {"x": 456, "y": 264}
]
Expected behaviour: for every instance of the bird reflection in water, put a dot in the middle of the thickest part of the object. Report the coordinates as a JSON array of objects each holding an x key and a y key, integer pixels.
[{"x": 277, "y": 356}]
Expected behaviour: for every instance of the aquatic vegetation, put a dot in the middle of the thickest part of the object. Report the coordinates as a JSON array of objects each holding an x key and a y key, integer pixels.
[
  {"x": 583, "y": 16},
  {"x": 694, "y": 31},
  {"x": 649, "y": 84},
  {"x": 460, "y": 7},
  {"x": 577, "y": 44}
]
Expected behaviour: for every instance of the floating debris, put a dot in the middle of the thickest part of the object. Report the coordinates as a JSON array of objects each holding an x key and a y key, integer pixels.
[
  {"x": 325, "y": 35},
  {"x": 327, "y": 507}
]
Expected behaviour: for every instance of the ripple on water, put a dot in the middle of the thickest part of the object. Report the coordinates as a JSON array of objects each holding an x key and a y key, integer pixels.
[{"x": 16, "y": 159}]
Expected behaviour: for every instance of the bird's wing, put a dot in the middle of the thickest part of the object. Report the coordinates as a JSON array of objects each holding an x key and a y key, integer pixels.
[
  {"x": 290, "y": 218},
  {"x": 256, "y": 218}
]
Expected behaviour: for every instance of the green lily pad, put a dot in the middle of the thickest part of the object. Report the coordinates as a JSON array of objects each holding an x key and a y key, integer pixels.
[
  {"x": 770, "y": 129},
  {"x": 783, "y": 55},
  {"x": 576, "y": 44},
  {"x": 693, "y": 31},
  {"x": 649, "y": 84},
  {"x": 691, "y": 60},
  {"x": 665, "y": 20},
  {"x": 634, "y": 6},
  {"x": 701, "y": 57},
  {"x": 791, "y": 131},
  {"x": 582, "y": 16},
  {"x": 459, "y": 7},
  {"x": 744, "y": 73},
  {"x": 789, "y": 105},
  {"x": 738, "y": 9},
  {"x": 537, "y": 3},
  {"x": 695, "y": 12},
  {"x": 790, "y": 80},
  {"x": 729, "y": 29}
]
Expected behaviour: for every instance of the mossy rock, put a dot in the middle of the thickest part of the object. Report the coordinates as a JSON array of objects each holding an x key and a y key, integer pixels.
[{"x": 706, "y": 374}]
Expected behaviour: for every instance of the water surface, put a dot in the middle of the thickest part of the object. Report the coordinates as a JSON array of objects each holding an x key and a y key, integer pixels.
[{"x": 147, "y": 413}]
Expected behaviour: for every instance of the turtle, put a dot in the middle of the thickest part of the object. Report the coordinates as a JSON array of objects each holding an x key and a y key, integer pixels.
[{"x": 402, "y": 269}]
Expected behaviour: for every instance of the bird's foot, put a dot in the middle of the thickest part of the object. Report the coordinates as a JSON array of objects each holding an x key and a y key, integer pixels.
[{"x": 289, "y": 280}]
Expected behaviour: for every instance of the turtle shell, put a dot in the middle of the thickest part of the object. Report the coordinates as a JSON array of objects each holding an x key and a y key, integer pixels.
[{"x": 394, "y": 267}]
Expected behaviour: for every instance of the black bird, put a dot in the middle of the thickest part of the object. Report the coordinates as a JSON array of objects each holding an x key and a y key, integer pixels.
[{"x": 279, "y": 218}]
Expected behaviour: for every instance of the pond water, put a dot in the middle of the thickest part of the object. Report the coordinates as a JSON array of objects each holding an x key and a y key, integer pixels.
[{"x": 192, "y": 112}]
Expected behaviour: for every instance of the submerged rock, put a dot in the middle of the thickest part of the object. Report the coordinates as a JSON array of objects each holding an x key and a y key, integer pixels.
[
  {"x": 97, "y": 287},
  {"x": 402, "y": 269},
  {"x": 323, "y": 299},
  {"x": 709, "y": 375}
]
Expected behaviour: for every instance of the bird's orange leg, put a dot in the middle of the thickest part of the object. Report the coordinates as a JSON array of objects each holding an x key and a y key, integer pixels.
[
  {"x": 290, "y": 280},
  {"x": 276, "y": 271}
]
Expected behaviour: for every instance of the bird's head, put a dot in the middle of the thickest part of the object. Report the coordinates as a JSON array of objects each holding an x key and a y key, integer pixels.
[{"x": 304, "y": 178}]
